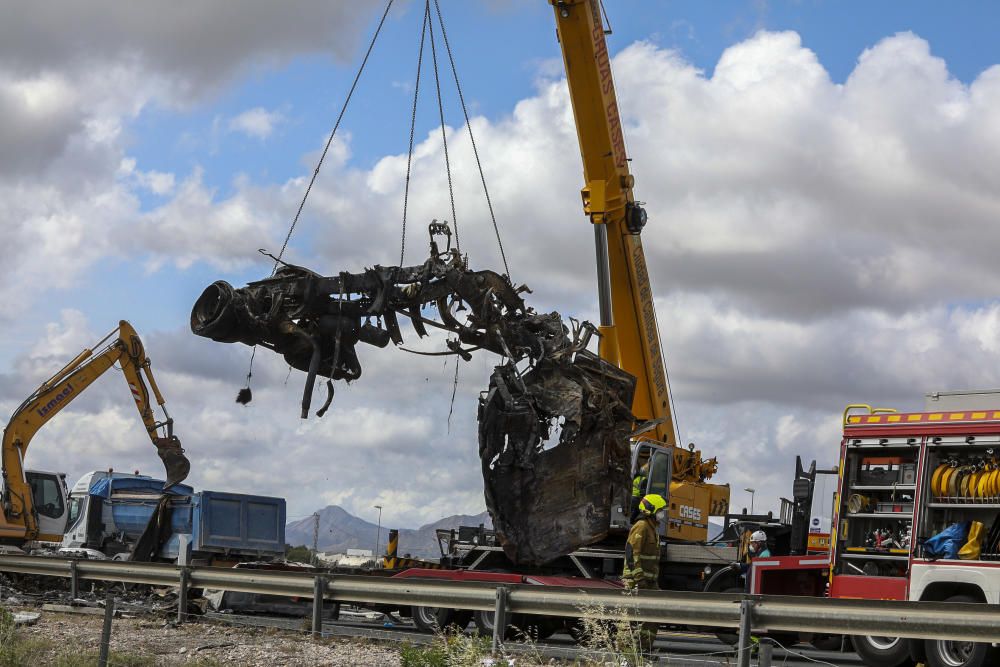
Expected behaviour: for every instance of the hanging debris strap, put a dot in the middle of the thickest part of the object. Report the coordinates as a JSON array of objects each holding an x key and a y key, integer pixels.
[{"x": 316, "y": 322}]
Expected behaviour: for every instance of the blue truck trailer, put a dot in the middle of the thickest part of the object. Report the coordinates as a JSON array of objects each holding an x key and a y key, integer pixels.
[{"x": 109, "y": 511}]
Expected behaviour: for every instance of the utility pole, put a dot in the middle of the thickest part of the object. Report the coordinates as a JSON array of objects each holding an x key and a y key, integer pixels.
[
  {"x": 315, "y": 560},
  {"x": 378, "y": 533}
]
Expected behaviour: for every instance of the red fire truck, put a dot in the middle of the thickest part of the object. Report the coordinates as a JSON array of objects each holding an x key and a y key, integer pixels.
[{"x": 916, "y": 517}]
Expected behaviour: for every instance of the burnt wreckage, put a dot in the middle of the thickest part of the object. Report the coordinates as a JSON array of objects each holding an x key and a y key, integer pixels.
[{"x": 546, "y": 498}]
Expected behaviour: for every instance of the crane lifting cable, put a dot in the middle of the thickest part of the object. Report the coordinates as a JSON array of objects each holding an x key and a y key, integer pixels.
[
  {"x": 427, "y": 31},
  {"x": 245, "y": 395}
]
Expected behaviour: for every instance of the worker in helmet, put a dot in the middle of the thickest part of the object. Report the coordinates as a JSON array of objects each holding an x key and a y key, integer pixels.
[
  {"x": 757, "y": 548},
  {"x": 638, "y": 486},
  {"x": 758, "y": 545},
  {"x": 642, "y": 557}
]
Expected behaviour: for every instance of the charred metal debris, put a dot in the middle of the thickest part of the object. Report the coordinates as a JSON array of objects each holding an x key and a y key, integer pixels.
[{"x": 549, "y": 382}]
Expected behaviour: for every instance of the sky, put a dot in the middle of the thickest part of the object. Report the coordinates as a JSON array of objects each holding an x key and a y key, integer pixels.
[{"x": 821, "y": 178}]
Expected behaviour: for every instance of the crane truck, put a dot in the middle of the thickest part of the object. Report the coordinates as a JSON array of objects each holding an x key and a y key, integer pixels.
[
  {"x": 33, "y": 504},
  {"x": 560, "y": 510}
]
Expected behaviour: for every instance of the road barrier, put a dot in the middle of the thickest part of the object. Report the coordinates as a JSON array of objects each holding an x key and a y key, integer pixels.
[{"x": 749, "y": 613}]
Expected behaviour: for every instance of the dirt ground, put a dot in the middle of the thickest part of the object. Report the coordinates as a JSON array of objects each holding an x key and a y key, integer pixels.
[{"x": 148, "y": 641}]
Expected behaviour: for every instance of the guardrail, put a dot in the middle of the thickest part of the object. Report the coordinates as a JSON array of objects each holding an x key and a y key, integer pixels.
[{"x": 922, "y": 620}]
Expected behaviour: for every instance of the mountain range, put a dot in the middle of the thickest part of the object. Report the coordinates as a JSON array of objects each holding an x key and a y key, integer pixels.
[{"x": 339, "y": 530}]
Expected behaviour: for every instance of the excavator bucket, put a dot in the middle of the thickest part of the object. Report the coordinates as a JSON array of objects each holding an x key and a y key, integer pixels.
[{"x": 172, "y": 455}]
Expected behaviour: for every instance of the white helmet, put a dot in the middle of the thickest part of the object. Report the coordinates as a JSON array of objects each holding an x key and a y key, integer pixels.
[{"x": 758, "y": 536}]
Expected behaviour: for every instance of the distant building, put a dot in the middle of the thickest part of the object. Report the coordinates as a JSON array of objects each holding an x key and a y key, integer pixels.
[
  {"x": 360, "y": 558},
  {"x": 364, "y": 553}
]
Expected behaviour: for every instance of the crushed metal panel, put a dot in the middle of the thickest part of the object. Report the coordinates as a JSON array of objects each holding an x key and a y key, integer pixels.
[{"x": 546, "y": 503}]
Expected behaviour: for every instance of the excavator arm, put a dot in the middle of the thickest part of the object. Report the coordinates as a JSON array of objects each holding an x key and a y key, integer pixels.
[{"x": 60, "y": 390}]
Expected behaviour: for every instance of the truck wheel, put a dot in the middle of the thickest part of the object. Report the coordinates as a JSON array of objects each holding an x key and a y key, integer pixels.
[
  {"x": 949, "y": 653},
  {"x": 878, "y": 651},
  {"x": 431, "y": 619},
  {"x": 484, "y": 621}
]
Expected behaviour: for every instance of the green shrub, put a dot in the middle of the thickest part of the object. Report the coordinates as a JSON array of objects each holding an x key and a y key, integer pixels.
[{"x": 433, "y": 655}]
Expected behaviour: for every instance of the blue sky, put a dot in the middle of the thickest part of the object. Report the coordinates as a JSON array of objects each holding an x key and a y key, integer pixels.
[
  {"x": 501, "y": 51},
  {"x": 822, "y": 214}
]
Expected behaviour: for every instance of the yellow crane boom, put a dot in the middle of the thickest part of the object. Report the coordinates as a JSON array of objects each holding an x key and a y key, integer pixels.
[
  {"x": 628, "y": 326},
  {"x": 19, "y": 518}
]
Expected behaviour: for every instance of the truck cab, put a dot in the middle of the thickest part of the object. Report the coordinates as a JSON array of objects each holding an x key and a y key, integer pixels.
[{"x": 108, "y": 511}]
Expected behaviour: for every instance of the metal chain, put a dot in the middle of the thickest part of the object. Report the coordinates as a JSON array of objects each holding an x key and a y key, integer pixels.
[
  {"x": 472, "y": 138},
  {"x": 329, "y": 141},
  {"x": 413, "y": 124},
  {"x": 444, "y": 133}
]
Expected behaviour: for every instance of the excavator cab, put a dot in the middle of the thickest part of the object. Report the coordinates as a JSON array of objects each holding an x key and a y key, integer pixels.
[
  {"x": 658, "y": 463},
  {"x": 49, "y": 494}
]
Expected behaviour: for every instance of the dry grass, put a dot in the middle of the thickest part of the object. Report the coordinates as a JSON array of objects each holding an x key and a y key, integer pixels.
[
  {"x": 610, "y": 632},
  {"x": 449, "y": 649}
]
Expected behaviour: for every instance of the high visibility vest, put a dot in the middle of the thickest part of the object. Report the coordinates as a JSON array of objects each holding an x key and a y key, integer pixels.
[{"x": 637, "y": 485}]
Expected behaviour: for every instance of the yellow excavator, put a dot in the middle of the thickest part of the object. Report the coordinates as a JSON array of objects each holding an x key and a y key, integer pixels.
[
  {"x": 33, "y": 504},
  {"x": 630, "y": 336}
]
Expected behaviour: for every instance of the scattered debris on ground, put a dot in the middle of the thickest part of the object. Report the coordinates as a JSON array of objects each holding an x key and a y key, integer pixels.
[{"x": 152, "y": 641}]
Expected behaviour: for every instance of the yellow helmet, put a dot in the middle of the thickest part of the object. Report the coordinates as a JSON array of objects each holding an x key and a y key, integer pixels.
[{"x": 651, "y": 504}]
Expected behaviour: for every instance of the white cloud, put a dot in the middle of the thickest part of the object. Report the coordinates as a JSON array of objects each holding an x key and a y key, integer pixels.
[
  {"x": 258, "y": 123},
  {"x": 810, "y": 243}
]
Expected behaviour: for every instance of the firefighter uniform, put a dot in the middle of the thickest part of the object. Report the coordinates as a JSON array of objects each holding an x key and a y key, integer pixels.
[
  {"x": 645, "y": 543},
  {"x": 642, "y": 559}
]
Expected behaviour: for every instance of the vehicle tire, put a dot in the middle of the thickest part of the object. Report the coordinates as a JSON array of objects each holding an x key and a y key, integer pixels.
[
  {"x": 432, "y": 619},
  {"x": 484, "y": 621},
  {"x": 948, "y": 653},
  {"x": 876, "y": 651},
  {"x": 577, "y": 632}
]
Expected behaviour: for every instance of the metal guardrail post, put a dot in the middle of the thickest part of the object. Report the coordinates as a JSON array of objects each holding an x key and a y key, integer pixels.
[
  {"x": 766, "y": 651},
  {"x": 109, "y": 612},
  {"x": 745, "y": 648},
  {"x": 74, "y": 580},
  {"x": 500, "y": 618},
  {"x": 319, "y": 590},
  {"x": 182, "y": 594}
]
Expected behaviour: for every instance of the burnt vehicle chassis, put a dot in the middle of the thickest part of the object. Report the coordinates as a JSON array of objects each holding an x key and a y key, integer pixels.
[{"x": 546, "y": 498}]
